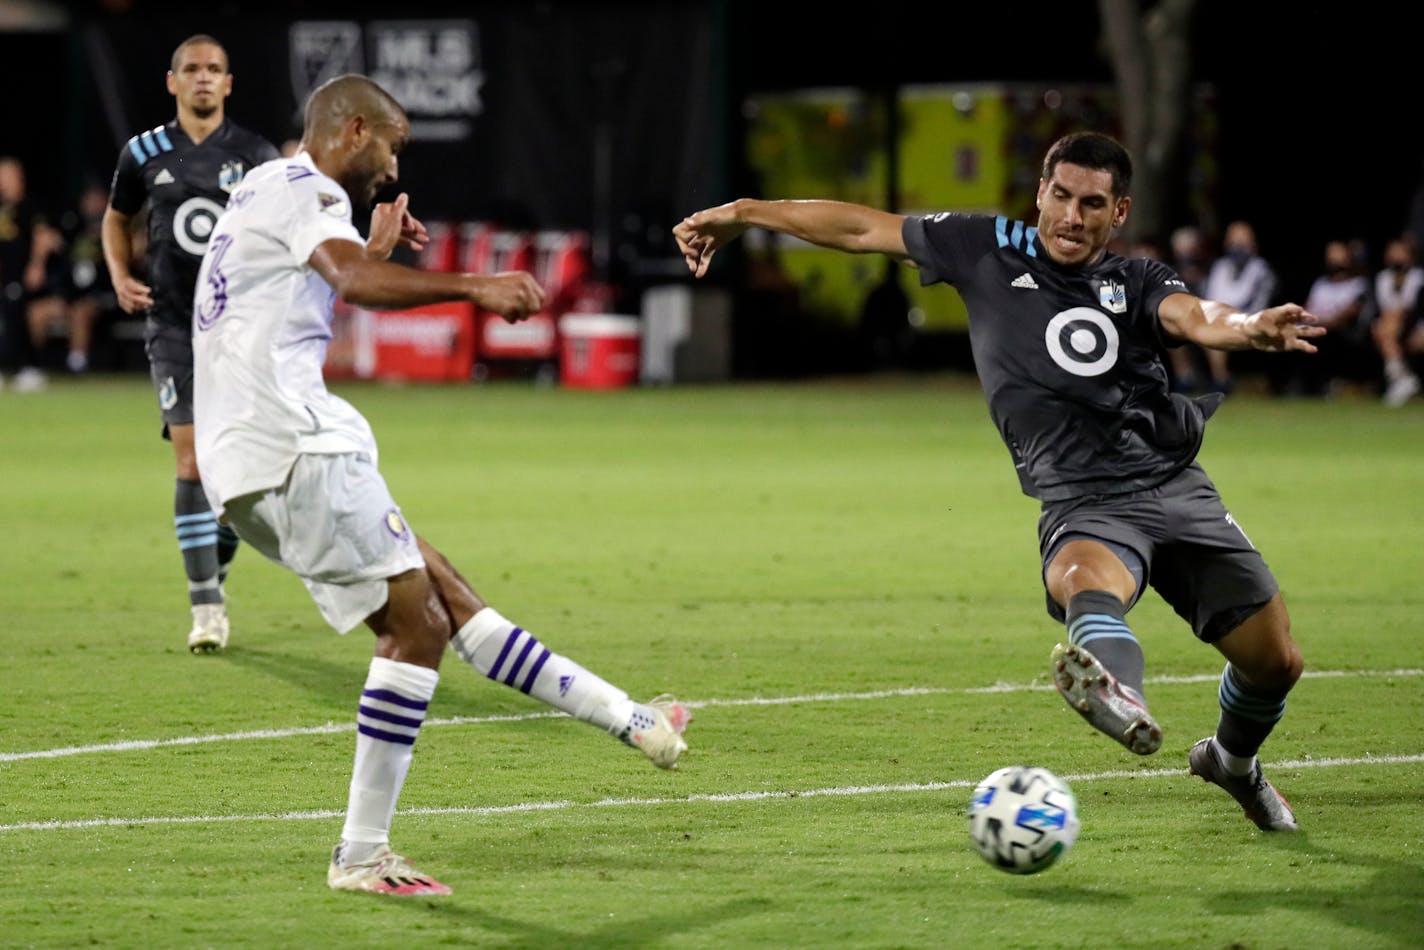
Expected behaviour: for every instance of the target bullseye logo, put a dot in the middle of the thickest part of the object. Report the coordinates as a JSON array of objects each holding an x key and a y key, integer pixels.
[
  {"x": 1083, "y": 341},
  {"x": 193, "y": 224}
]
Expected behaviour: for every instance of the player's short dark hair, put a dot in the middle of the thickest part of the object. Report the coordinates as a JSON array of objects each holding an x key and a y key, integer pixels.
[
  {"x": 197, "y": 39},
  {"x": 1096, "y": 151},
  {"x": 339, "y": 98}
]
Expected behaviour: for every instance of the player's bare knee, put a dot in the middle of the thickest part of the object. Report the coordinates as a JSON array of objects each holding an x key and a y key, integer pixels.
[
  {"x": 1275, "y": 668},
  {"x": 457, "y": 595},
  {"x": 1075, "y": 570}
]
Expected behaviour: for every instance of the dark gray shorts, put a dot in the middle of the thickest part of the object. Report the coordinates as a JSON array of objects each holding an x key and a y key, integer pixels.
[
  {"x": 170, "y": 365},
  {"x": 1195, "y": 555}
]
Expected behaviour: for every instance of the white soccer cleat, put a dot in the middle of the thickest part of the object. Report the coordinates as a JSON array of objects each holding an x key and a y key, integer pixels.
[
  {"x": 385, "y": 872},
  {"x": 30, "y": 380},
  {"x": 657, "y": 727},
  {"x": 1098, "y": 697},
  {"x": 210, "y": 629},
  {"x": 1401, "y": 390}
]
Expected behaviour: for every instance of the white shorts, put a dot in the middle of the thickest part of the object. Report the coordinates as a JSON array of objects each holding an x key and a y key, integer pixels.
[{"x": 336, "y": 526}]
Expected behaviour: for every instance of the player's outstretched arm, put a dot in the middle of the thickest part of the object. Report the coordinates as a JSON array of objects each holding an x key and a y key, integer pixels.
[
  {"x": 363, "y": 281},
  {"x": 1287, "y": 328},
  {"x": 834, "y": 224}
]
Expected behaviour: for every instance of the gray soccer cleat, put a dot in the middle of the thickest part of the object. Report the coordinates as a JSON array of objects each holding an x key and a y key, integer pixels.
[
  {"x": 1109, "y": 707},
  {"x": 1257, "y": 797}
]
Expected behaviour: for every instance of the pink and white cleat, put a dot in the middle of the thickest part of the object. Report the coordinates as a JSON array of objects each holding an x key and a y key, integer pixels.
[
  {"x": 657, "y": 727},
  {"x": 385, "y": 872}
]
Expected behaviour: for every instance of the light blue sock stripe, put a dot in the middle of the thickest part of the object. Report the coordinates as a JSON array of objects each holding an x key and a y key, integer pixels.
[
  {"x": 194, "y": 518},
  {"x": 205, "y": 540},
  {"x": 1234, "y": 698},
  {"x": 1098, "y": 626},
  {"x": 1085, "y": 640}
]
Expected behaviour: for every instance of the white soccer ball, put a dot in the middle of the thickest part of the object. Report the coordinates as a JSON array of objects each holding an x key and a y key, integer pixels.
[{"x": 1022, "y": 819}]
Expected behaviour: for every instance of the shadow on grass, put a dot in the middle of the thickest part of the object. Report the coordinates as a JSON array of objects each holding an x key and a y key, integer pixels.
[
  {"x": 1387, "y": 904},
  {"x": 626, "y": 930},
  {"x": 1069, "y": 894},
  {"x": 337, "y": 680}
]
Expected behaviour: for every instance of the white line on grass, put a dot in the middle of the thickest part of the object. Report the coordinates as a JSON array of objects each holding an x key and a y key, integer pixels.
[
  {"x": 133, "y": 745},
  {"x": 716, "y": 798}
]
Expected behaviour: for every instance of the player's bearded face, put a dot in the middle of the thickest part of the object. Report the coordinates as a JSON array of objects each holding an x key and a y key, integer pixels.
[
  {"x": 1077, "y": 212},
  {"x": 375, "y": 165}
]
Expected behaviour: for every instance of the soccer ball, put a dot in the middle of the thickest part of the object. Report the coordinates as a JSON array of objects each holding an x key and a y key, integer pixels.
[{"x": 1022, "y": 819}]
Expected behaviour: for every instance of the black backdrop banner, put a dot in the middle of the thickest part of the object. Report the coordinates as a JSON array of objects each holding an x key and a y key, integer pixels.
[{"x": 551, "y": 115}]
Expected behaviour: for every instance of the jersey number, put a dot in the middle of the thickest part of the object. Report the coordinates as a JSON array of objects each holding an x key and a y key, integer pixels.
[{"x": 214, "y": 299}]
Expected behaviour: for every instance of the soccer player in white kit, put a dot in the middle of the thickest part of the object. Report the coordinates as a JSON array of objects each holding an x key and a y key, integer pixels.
[{"x": 293, "y": 467}]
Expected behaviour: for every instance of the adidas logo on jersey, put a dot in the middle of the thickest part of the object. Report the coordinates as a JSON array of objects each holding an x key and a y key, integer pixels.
[
  {"x": 1025, "y": 281},
  {"x": 164, "y": 177}
]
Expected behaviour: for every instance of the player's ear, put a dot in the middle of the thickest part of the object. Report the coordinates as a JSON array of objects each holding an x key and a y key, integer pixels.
[
  {"x": 172, "y": 83},
  {"x": 355, "y": 129},
  {"x": 227, "y": 85},
  {"x": 1120, "y": 214},
  {"x": 1038, "y": 198}
]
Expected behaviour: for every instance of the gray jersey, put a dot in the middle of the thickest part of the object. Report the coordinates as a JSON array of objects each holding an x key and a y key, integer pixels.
[{"x": 1069, "y": 357}]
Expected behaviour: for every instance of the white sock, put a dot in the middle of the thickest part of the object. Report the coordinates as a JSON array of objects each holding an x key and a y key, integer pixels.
[
  {"x": 388, "y": 720},
  {"x": 511, "y": 655},
  {"x": 1395, "y": 369},
  {"x": 1235, "y": 764}
]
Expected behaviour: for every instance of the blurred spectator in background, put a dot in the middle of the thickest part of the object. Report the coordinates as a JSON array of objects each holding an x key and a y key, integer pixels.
[
  {"x": 1337, "y": 298},
  {"x": 1242, "y": 278},
  {"x": 49, "y": 287},
  {"x": 78, "y": 293},
  {"x": 1396, "y": 328},
  {"x": 1191, "y": 259},
  {"x": 17, "y": 220}
]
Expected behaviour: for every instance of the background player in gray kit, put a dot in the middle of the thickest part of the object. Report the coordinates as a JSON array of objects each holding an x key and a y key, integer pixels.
[
  {"x": 185, "y": 171},
  {"x": 1065, "y": 339}
]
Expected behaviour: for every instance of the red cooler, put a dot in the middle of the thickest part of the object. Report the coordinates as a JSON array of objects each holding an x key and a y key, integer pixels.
[{"x": 599, "y": 351}]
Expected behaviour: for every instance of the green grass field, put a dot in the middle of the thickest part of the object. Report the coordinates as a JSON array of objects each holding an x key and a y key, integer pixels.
[{"x": 830, "y": 573}]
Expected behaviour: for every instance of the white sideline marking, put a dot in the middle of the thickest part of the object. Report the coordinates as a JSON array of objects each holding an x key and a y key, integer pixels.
[
  {"x": 564, "y": 805},
  {"x": 134, "y": 745}
]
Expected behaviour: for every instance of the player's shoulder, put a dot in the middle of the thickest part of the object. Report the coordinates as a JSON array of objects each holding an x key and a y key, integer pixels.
[
  {"x": 306, "y": 187},
  {"x": 952, "y": 219},
  {"x": 240, "y": 139},
  {"x": 964, "y": 229},
  {"x": 142, "y": 147}
]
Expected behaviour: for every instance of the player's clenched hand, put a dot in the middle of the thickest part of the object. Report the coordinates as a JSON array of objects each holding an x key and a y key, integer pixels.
[
  {"x": 134, "y": 295},
  {"x": 392, "y": 224},
  {"x": 699, "y": 235},
  {"x": 513, "y": 295},
  {"x": 1282, "y": 329}
]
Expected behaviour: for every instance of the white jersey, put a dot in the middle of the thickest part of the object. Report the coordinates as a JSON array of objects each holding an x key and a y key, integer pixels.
[
  {"x": 261, "y": 325},
  {"x": 1401, "y": 294}
]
